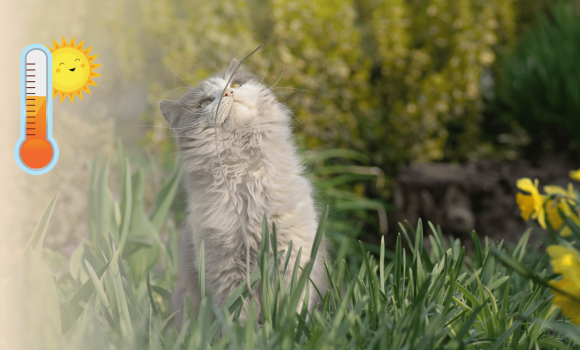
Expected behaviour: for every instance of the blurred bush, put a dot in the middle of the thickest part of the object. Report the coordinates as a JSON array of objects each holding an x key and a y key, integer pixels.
[
  {"x": 399, "y": 81},
  {"x": 542, "y": 80}
]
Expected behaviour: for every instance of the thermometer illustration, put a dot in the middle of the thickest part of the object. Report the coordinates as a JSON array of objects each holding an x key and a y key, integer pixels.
[{"x": 36, "y": 152}]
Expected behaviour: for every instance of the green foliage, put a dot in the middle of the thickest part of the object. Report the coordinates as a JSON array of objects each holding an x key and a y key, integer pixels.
[
  {"x": 542, "y": 79},
  {"x": 334, "y": 172},
  {"x": 402, "y": 299}
]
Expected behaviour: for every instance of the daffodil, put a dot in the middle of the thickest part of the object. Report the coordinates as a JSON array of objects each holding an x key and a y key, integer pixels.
[
  {"x": 540, "y": 207},
  {"x": 532, "y": 205},
  {"x": 553, "y": 215},
  {"x": 566, "y": 262},
  {"x": 567, "y": 193},
  {"x": 526, "y": 204},
  {"x": 575, "y": 175},
  {"x": 553, "y": 210}
]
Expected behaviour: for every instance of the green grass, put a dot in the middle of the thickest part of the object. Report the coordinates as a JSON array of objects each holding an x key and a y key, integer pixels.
[
  {"x": 541, "y": 80},
  {"x": 115, "y": 292}
]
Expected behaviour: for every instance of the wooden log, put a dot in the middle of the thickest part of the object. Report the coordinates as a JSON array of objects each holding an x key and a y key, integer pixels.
[{"x": 477, "y": 196}]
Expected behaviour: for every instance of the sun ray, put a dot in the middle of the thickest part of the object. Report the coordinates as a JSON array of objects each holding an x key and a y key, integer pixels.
[
  {"x": 56, "y": 46},
  {"x": 73, "y": 70}
]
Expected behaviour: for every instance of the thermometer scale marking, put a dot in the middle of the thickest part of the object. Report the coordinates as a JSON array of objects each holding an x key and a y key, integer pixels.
[{"x": 36, "y": 152}]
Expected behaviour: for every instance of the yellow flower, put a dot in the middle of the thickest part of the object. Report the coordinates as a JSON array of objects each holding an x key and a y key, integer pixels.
[
  {"x": 565, "y": 231},
  {"x": 575, "y": 175},
  {"x": 537, "y": 206},
  {"x": 569, "y": 307},
  {"x": 553, "y": 215},
  {"x": 553, "y": 189},
  {"x": 552, "y": 211},
  {"x": 526, "y": 204},
  {"x": 531, "y": 205},
  {"x": 566, "y": 262}
]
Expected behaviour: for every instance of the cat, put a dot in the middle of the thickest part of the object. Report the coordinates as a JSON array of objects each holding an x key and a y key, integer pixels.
[{"x": 264, "y": 176}]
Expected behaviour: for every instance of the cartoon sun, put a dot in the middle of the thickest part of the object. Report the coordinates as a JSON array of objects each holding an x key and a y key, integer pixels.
[{"x": 72, "y": 70}]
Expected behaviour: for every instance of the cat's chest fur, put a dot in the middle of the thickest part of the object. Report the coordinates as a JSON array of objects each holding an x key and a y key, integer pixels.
[{"x": 259, "y": 182}]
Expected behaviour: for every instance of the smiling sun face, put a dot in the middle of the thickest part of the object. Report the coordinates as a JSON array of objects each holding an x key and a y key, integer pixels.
[{"x": 72, "y": 70}]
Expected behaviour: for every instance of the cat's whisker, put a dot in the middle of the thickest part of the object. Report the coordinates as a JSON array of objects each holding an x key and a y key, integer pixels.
[
  {"x": 216, "y": 58},
  {"x": 295, "y": 89},
  {"x": 267, "y": 66},
  {"x": 182, "y": 106},
  {"x": 177, "y": 99},
  {"x": 210, "y": 62},
  {"x": 281, "y": 74},
  {"x": 153, "y": 126},
  {"x": 176, "y": 88},
  {"x": 283, "y": 92},
  {"x": 294, "y": 115},
  {"x": 175, "y": 74},
  {"x": 205, "y": 116}
]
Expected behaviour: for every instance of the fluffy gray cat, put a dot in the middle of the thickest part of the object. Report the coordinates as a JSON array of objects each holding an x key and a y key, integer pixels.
[{"x": 264, "y": 175}]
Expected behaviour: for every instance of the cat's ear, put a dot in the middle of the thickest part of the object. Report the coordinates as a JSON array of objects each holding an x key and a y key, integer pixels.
[
  {"x": 233, "y": 65},
  {"x": 171, "y": 111}
]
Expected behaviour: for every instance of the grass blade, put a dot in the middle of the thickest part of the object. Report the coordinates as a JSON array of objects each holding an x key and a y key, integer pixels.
[
  {"x": 165, "y": 198},
  {"x": 201, "y": 276},
  {"x": 150, "y": 294},
  {"x": 72, "y": 309},
  {"x": 37, "y": 238}
]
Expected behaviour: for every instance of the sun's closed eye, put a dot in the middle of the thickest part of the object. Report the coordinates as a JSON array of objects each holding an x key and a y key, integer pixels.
[
  {"x": 206, "y": 101},
  {"x": 77, "y": 60},
  {"x": 235, "y": 85}
]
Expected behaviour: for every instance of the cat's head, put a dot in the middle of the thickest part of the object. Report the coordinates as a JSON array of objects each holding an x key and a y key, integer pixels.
[{"x": 246, "y": 104}]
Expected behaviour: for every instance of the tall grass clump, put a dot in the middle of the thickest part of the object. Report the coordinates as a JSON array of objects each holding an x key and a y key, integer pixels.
[
  {"x": 115, "y": 293},
  {"x": 541, "y": 86}
]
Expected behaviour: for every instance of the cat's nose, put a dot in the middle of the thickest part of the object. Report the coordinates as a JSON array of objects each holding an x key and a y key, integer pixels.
[{"x": 229, "y": 93}]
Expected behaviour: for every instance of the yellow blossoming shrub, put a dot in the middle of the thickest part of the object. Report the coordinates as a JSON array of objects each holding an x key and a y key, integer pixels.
[{"x": 353, "y": 71}]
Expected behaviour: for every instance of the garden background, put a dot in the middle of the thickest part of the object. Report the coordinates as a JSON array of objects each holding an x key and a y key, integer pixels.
[{"x": 380, "y": 90}]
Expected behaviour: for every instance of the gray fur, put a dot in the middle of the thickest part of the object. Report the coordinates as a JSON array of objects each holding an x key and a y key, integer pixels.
[{"x": 264, "y": 174}]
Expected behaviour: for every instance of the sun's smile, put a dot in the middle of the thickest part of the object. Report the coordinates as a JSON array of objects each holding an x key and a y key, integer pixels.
[{"x": 72, "y": 70}]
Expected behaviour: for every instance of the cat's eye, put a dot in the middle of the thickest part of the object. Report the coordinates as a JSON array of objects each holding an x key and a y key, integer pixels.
[
  {"x": 205, "y": 102},
  {"x": 235, "y": 85}
]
